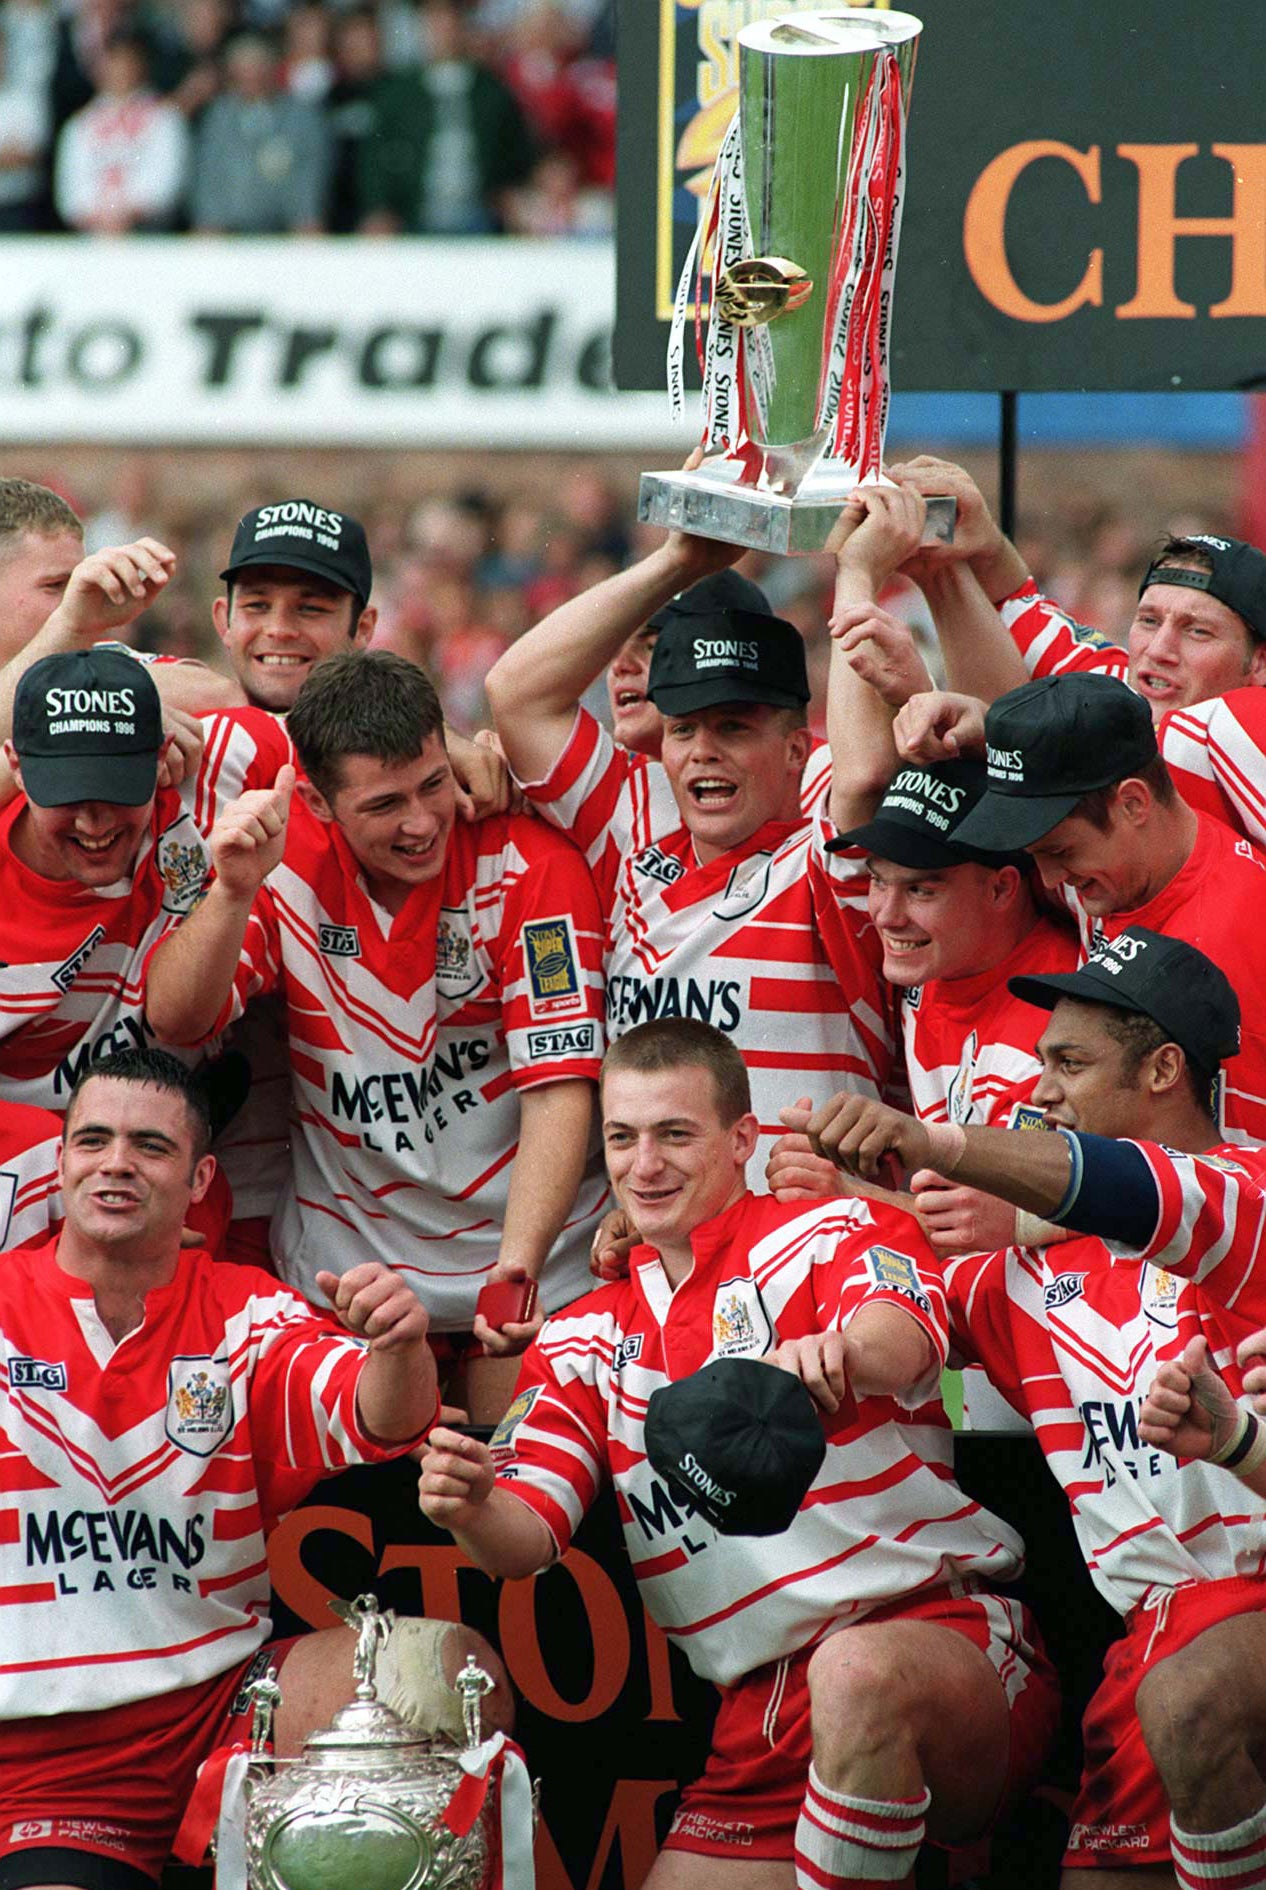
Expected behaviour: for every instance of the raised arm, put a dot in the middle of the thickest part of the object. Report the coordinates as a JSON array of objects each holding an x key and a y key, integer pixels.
[
  {"x": 1190, "y": 1412},
  {"x": 874, "y": 667},
  {"x": 190, "y": 976},
  {"x": 106, "y": 591},
  {"x": 1090, "y": 1183},
  {"x": 458, "y": 1492},
  {"x": 978, "y": 539},
  {"x": 533, "y": 689},
  {"x": 397, "y": 1394},
  {"x": 555, "y": 1121},
  {"x": 980, "y": 657}
]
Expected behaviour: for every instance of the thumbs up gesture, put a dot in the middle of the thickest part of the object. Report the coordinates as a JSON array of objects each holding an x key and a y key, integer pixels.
[{"x": 249, "y": 838}]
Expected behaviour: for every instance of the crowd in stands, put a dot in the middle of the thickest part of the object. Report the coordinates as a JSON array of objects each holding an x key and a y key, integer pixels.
[
  {"x": 461, "y": 574},
  {"x": 266, "y": 117}
]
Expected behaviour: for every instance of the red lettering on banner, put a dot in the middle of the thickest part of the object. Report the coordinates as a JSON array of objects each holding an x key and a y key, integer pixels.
[
  {"x": 608, "y": 1634},
  {"x": 1160, "y": 225},
  {"x": 985, "y": 226},
  {"x": 1159, "y": 228},
  {"x": 440, "y": 1598},
  {"x": 660, "y": 1672}
]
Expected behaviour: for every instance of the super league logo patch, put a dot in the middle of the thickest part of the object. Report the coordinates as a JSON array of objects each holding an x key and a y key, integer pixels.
[
  {"x": 897, "y": 1272},
  {"x": 199, "y": 1404},
  {"x": 552, "y": 965}
]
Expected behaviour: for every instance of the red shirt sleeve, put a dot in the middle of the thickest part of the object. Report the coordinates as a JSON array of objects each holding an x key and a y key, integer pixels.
[{"x": 551, "y": 953}]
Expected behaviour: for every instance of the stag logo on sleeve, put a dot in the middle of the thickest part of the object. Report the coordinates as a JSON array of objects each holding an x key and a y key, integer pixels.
[{"x": 69, "y": 970}]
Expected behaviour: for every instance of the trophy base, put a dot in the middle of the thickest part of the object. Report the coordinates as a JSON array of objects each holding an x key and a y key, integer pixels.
[{"x": 762, "y": 521}]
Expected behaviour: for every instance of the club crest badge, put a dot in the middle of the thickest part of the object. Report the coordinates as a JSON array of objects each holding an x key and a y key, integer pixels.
[
  {"x": 1158, "y": 1296},
  {"x": 740, "y": 1324},
  {"x": 959, "y": 1099},
  {"x": 183, "y": 863},
  {"x": 199, "y": 1404},
  {"x": 457, "y": 970}
]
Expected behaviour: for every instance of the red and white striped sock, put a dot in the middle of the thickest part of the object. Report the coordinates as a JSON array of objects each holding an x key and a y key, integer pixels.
[
  {"x": 843, "y": 1841},
  {"x": 1234, "y": 1859}
]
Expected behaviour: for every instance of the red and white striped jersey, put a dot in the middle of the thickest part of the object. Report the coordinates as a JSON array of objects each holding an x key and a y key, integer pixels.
[
  {"x": 138, "y": 1480},
  {"x": 883, "y": 1517},
  {"x": 1072, "y": 1335},
  {"x": 1052, "y": 643},
  {"x": 411, "y": 1040},
  {"x": 1215, "y": 902},
  {"x": 30, "y": 1189},
  {"x": 71, "y": 956},
  {"x": 770, "y": 942},
  {"x": 969, "y": 1042},
  {"x": 630, "y": 804},
  {"x": 1216, "y": 750}
]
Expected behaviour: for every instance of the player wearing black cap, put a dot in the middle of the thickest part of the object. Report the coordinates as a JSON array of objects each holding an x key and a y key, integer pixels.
[
  {"x": 299, "y": 577},
  {"x": 872, "y": 1687},
  {"x": 97, "y": 856},
  {"x": 736, "y": 915},
  {"x": 537, "y": 689},
  {"x": 1132, "y": 1049},
  {"x": 1196, "y": 648},
  {"x": 1076, "y": 779}
]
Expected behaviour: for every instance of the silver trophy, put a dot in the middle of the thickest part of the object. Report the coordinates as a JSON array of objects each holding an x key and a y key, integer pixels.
[
  {"x": 801, "y": 224},
  {"x": 363, "y": 1809}
]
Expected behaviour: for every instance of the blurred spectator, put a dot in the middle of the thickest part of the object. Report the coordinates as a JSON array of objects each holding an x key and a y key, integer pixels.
[
  {"x": 262, "y": 160},
  {"x": 83, "y": 35},
  {"x": 307, "y": 68},
  {"x": 358, "y": 66},
  {"x": 206, "y": 27},
  {"x": 449, "y": 140},
  {"x": 29, "y": 28},
  {"x": 24, "y": 137},
  {"x": 569, "y": 101},
  {"x": 552, "y": 202},
  {"x": 126, "y": 514},
  {"x": 121, "y": 161}
]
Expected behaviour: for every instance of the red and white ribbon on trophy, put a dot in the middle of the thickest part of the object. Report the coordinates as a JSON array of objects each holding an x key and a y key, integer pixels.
[
  {"x": 853, "y": 389},
  {"x": 498, "y": 1762},
  {"x": 738, "y": 362}
]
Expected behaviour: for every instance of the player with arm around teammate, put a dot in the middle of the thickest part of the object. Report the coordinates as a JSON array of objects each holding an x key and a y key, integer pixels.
[
  {"x": 443, "y": 987},
  {"x": 159, "y": 1412},
  {"x": 1076, "y": 1334},
  {"x": 873, "y": 1688}
]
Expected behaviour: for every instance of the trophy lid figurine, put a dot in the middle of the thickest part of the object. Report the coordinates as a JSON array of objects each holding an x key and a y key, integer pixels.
[
  {"x": 371, "y": 1802},
  {"x": 801, "y": 225}
]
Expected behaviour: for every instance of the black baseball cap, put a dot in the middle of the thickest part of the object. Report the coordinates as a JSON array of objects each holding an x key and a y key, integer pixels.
[
  {"x": 304, "y": 536},
  {"x": 915, "y": 823},
  {"x": 720, "y": 590},
  {"x": 1159, "y": 977},
  {"x": 88, "y": 726},
  {"x": 1047, "y": 744},
  {"x": 740, "y": 1441},
  {"x": 704, "y": 659},
  {"x": 1237, "y": 579}
]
